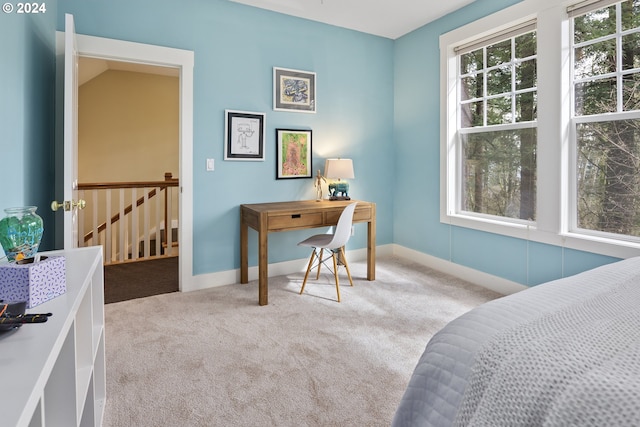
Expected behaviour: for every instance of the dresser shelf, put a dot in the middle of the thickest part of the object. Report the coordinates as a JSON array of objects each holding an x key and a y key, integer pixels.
[{"x": 53, "y": 373}]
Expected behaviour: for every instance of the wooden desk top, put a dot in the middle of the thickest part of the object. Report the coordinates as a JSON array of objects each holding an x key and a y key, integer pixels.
[
  {"x": 283, "y": 216},
  {"x": 299, "y": 205}
]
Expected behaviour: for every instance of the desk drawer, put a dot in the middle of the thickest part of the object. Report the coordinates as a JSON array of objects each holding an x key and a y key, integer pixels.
[
  {"x": 279, "y": 222},
  {"x": 362, "y": 214}
]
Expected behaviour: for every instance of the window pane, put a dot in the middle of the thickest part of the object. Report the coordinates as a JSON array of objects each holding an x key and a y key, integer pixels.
[
  {"x": 498, "y": 167},
  {"x": 526, "y": 107},
  {"x": 499, "y": 111},
  {"x": 472, "y": 114},
  {"x": 595, "y": 24},
  {"x": 596, "y": 97},
  {"x": 499, "y": 81},
  {"x": 499, "y": 173},
  {"x": 526, "y": 45},
  {"x": 471, "y": 87},
  {"x": 630, "y": 51},
  {"x": 630, "y": 14},
  {"x": 526, "y": 75},
  {"x": 631, "y": 92},
  {"x": 609, "y": 176},
  {"x": 595, "y": 59},
  {"x": 470, "y": 62},
  {"x": 499, "y": 53}
]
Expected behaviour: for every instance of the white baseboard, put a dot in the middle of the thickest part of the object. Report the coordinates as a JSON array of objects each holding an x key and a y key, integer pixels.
[
  {"x": 497, "y": 284},
  {"x": 486, "y": 280}
]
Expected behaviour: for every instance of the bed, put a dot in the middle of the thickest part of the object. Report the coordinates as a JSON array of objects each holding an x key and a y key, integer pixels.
[{"x": 564, "y": 353}]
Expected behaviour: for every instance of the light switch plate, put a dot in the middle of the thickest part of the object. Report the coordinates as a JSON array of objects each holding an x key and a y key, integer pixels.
[{"x": 210, "y": 165}]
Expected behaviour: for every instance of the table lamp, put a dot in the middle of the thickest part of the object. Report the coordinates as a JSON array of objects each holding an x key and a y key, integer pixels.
[{"x": 338, "y": 169}]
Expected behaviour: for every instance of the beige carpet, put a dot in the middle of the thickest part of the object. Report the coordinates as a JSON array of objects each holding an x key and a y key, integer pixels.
[{"x": 216, "y": 358}]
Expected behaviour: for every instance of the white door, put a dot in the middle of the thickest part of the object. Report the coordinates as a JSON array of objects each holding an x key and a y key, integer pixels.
[{"x": 70, "y": 203}]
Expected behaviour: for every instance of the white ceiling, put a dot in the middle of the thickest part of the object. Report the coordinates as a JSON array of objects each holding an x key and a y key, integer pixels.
[{"x": 386, "y": 18}]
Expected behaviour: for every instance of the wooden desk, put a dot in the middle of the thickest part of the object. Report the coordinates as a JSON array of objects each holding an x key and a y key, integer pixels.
[{"x": 286, "y": 216}]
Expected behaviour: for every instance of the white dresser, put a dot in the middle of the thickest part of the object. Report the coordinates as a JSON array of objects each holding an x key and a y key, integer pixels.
[{"x": 52, "y": 374}]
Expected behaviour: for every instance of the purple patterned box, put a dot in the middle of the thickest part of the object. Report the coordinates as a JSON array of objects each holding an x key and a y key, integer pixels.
[{"x": 34, "y": 282}]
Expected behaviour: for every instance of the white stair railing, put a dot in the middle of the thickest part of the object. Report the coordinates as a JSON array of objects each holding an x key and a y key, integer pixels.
[{"x": 128, "y": 219}]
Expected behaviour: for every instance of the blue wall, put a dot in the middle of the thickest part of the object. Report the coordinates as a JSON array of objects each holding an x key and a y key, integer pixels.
[
  {"x": 27, "y": 74},
  {"x": 235, "y": 49},
  {"x": 417, "y": 142}
]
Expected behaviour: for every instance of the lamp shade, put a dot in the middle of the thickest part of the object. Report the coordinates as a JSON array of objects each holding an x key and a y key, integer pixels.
[{"x": 338, "y": 169}]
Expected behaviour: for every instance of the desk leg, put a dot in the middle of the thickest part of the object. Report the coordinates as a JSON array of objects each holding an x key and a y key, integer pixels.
[
  {"x": 244, "y": 252},
  {"x": 371, "y": 246},
  {"x": 263, "y": 262}
]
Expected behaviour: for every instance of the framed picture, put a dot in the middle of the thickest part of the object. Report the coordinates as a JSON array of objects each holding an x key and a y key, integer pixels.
[
  {"x": 294, "y": 153},
  {"x": 244, "y": 135},
  {"x": 294, "y": 90}
]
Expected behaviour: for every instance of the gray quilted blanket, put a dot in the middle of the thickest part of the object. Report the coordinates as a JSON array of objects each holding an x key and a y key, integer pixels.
[
  {"x": 578, "y": 366},
  {"x": 564, "y": 353}
]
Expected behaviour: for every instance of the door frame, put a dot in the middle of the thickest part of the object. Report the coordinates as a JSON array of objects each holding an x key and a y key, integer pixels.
[{"x": 124, "y": 51}]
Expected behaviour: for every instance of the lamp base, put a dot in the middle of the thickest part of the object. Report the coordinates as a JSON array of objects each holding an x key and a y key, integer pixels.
[{"x": 339, "y": 190}]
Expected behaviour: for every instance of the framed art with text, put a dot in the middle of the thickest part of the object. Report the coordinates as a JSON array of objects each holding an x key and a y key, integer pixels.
[
  {"x": 294, "y": 90},
  {"x": 244, "y": 135},
  {"x": 294, "y": 153}
]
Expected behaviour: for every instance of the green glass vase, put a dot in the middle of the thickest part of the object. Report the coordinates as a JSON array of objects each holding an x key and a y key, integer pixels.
[{"x": 20, "y": 232}]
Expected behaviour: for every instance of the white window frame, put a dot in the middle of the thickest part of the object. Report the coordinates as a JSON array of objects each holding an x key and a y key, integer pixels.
[
  {"x": 487, "y": 128},
  {"x": 618, "y": 115},
  {"x": 555, "y": 150}
]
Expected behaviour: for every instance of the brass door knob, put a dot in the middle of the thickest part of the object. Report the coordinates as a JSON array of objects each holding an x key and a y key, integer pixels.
[
  {"x": 55, "y": 205},
  {"x": 67, "y": 205}
]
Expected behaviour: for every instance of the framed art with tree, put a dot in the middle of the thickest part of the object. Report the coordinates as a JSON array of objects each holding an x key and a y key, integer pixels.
[{"x": 294, "y": 153}]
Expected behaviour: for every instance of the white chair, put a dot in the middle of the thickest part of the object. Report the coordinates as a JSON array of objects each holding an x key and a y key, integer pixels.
[{"x": 333, "y": 242}]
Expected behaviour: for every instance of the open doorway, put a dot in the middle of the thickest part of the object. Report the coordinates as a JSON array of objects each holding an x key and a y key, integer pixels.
[
  {"x": 152, "y": 55},
  {"x": 128, "y": 147}
]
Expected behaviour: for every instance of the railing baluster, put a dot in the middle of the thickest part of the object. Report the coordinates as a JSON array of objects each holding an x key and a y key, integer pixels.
[
  {"x": 135, "y": 237},
  {"x": 158, "y": 230},
  {"x": 121, "y": 227},
  {"x": 168, "y": 224},
  {"x": 145, "y": 204},
  {"x": 94, "y": 237},
  {"x": 78, "y": 237},
  {"x": 108, "y": 234}
]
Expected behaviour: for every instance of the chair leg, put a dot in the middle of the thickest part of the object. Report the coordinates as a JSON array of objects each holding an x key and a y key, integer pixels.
[
  {"x": 346, "y": 265},
  {"x": 335, "y": 273},
  {"x": 304, "y": 282},
  {"x": 319, "y": 263}
]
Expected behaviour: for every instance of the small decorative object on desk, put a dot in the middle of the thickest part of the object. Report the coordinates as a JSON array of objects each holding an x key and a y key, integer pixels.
[
  {"x": 318, "y": 185},
  {"x": 339, "y": 169},
  {"x": 20, "y": 232}
]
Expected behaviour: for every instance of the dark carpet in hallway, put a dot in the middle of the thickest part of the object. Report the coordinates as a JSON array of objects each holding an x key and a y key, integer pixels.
[{"x": 140, "y": 279}]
